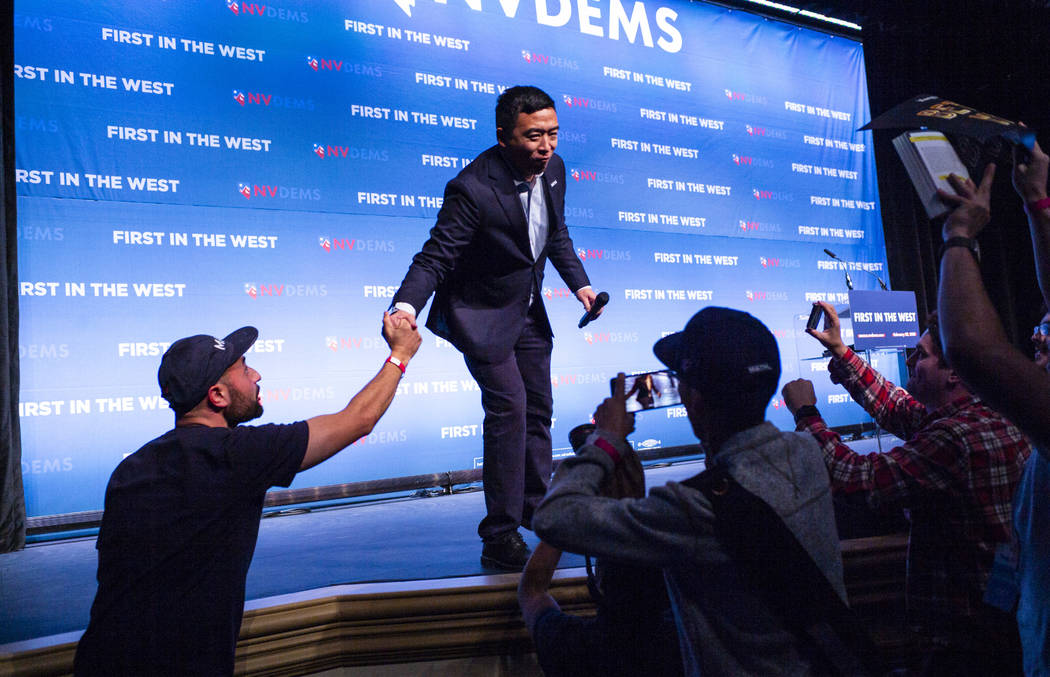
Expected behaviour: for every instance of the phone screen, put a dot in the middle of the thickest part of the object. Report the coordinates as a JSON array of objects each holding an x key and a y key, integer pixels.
[{"x": 650, "y": 390}]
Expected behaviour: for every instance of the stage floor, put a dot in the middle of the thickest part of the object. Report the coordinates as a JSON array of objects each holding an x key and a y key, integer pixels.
[{"x": 47, "y": 588}]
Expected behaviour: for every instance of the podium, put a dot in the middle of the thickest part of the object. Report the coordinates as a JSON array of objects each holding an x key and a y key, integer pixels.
[{"x": 883, "y": 320}]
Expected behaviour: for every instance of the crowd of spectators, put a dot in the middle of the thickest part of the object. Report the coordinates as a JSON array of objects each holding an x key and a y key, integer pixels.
[
  {"x": 965, "y": 480},
  {"x": 735, "y": 571}
]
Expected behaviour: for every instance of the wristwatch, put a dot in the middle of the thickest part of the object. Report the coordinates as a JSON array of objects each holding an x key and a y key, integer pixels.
[
  {"x": 806, "y": 411},
  {"x": 967, "y": 242}
]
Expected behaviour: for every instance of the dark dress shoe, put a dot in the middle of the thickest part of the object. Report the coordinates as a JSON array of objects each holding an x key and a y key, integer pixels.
[{"x": 506, "y": 551}]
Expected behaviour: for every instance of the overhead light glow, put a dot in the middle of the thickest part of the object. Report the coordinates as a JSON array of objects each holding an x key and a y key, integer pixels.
[{"x": 806, "y": 13}]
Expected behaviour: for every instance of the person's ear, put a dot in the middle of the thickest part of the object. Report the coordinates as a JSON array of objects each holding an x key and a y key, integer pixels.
[
  {"x": 500, "y": 136},
  {"x": 219, "y": 396},
  {"x": 953, "y": 379}
]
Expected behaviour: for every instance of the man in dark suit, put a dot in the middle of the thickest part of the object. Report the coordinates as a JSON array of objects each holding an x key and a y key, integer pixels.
[{"x": 503, "y": 216}]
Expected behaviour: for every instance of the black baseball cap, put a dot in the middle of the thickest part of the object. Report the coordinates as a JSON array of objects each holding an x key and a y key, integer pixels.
[
  {"x": 193, "y": 364},
  {"x": 725, "y": 352}
]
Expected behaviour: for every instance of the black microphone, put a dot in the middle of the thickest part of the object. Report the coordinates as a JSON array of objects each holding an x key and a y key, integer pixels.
[
  {"x": 849, "y": 282},
  {"x": 599, "y": 303},
  {"x": 845, "y": 269}
]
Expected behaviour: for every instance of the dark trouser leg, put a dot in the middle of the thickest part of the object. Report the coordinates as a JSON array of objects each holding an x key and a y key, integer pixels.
[
  {"x": 516, "y": 439},
  {"x": 533, "y": 353}
]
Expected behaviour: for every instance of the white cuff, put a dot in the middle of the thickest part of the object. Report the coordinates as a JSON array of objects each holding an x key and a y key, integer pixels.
[{"x": 405, "y": 308}]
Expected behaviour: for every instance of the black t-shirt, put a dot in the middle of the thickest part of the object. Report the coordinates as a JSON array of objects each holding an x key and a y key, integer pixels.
[{"x": 178, "y": 533}]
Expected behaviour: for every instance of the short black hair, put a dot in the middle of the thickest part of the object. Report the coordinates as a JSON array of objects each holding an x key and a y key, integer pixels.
[{"x": 517, "y": 100}]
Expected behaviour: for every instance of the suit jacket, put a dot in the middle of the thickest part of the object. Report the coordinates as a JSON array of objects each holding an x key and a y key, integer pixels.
[{"x": 478, "y": 262}]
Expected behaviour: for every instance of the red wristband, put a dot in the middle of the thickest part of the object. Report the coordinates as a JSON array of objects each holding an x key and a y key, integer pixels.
[
  {"x": 1039, "y": 204},
  {"x": 397, "y": 363},
  {"x": 608, "y": 448}
]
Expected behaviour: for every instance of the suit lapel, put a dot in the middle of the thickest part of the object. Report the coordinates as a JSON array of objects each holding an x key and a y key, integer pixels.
[
  {"x": 555, "y": 191},
  {"x": 551, "y": 193},
  {"x": 506, "y": 192}
]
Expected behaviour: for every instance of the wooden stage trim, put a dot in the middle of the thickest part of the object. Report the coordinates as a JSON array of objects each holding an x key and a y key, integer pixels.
[
  {"x": 369, "y": 625},
  {"x": 409, "y": 621}
]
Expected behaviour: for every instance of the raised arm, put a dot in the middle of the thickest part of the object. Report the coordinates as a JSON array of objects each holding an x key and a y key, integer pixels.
[
  {"x": 1029, "y": 179},
  {"x": 972, "y": 334},
  {"x": 892, "y": 406},
  {"x": 831, "y": 335},
  {"x": 331, "y": 433}
]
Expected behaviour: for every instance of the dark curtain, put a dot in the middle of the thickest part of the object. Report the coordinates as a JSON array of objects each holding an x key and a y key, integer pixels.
[
  {"x": 12, "y": 497},
  {"x": 993, "y": 57}
]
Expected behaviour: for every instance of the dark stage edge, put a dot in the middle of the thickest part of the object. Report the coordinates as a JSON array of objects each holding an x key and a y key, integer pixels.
[{"x": 47, "y": 588}]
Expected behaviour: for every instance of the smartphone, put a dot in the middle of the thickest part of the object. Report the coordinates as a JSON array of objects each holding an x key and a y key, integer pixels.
[
  {"x": 649, "y": 390},
  {"x": 814, "y": 317}
]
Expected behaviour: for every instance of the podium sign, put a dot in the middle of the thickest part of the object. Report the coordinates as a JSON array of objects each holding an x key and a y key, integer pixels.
[{"x": 883, "y": 319}]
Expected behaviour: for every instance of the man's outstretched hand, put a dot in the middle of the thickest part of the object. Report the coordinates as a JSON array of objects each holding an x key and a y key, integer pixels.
[{"x": 400, "y": 333}]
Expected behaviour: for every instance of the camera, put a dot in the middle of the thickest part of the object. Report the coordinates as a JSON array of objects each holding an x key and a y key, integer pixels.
[{"x": 578, "y": 436}]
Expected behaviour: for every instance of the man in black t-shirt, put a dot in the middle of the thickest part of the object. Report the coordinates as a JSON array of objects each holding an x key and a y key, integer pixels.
[{"x": 182, "y": 513}]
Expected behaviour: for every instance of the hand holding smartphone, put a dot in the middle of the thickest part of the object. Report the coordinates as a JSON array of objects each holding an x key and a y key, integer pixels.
[
  {"x": 814, "y": 317},
  {"x": 649, "y": 390}
]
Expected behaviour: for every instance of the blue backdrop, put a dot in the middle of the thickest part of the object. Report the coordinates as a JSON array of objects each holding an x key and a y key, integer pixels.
[{"x": 197, "y": 166}]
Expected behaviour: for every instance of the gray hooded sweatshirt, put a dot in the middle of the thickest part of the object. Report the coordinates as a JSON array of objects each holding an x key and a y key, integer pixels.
[{"x": 724, "y": 627}]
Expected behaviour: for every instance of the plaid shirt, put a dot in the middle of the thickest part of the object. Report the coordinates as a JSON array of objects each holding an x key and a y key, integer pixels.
[{"x": 956, "y": 476}]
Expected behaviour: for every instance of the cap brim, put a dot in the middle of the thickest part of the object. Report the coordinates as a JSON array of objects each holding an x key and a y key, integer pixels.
[
  {"x": 666, "y": 350},
  {"x": 238, "y": 342}
]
